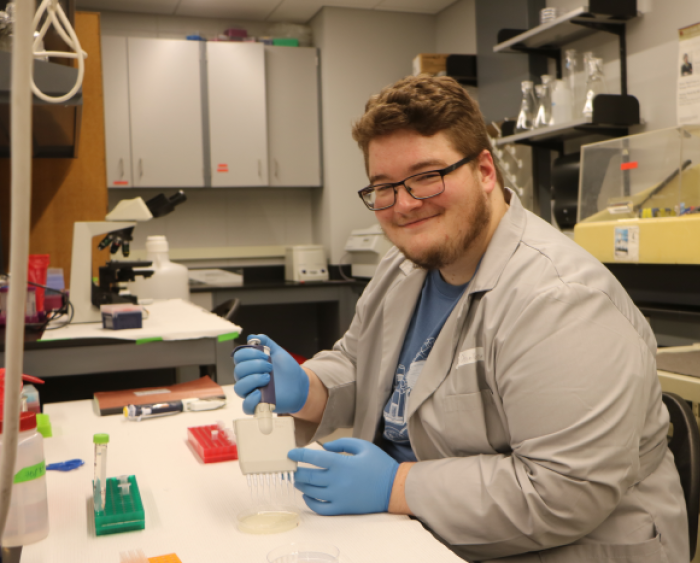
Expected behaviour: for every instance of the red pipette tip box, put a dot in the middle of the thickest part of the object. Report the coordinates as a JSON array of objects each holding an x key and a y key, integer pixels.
[{"x": 212, "y": 443}]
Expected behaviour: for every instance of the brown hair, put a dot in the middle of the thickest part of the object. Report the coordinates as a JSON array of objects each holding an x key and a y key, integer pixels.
[{"x": 427, "y": 105}]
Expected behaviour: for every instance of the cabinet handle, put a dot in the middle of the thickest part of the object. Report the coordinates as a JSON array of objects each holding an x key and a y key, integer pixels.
[
  {"x": 121, "y": 168},
  {"x": 277, "y": 169},
  {"x": 140, "y": 167},
  {"x": 259, "y": 168}
]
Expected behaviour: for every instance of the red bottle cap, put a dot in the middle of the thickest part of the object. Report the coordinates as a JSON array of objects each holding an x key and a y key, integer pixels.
[{"x": 27, "y": 421}]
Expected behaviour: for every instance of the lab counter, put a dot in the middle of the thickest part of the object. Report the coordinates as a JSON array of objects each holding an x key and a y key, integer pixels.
[
  {"x": 175, "y": 334},
  {"x": 191, "y": 508},
  {"x": 686, "y": 386},
  {"x": 679, "y": 372}
]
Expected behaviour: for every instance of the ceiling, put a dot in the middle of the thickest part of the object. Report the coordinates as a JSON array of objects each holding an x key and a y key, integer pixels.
[{"x": 296, "y": 11}]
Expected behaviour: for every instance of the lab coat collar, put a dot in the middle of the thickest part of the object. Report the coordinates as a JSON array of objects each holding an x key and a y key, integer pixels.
[{"x": 502, "y": 246}]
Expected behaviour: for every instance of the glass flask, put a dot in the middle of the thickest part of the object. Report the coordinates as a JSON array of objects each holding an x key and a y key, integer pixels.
[
  {"x": 544, "y": 97},
  {"x": 526, "y": 117},
  {"x": 595, "y": 83},
  {"x": 569, "y": 70}
]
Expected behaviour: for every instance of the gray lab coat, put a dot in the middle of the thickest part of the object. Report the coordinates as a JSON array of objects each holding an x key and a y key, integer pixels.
[{"x": 537, "y": 420}]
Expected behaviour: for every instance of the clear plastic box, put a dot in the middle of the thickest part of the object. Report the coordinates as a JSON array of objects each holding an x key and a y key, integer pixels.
[{"x": 639, "y": 197}]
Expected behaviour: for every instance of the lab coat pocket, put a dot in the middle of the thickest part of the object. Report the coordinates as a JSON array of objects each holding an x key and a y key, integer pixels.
[
  {"x": 468, "y": 378},
  {"x": 465, "y": 422},
  {"x": 650, "y": 551},
  {"x": 463, "y": 402}
]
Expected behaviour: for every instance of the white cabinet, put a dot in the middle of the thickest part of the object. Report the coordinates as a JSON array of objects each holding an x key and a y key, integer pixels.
[
  {"x": 293, "y": 116},
  {"x": 115, "y": 72},
  {"x": 237, "y": 116},
  {"x": 184, "y": 114},
  {"x": 166, "y": 113}
]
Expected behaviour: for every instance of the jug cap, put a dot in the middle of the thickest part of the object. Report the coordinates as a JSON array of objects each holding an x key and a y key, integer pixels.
[
  {"x": 27, "y": 421},
  {"x": 156, "y": 243},
  {"x": 27, "y": 378}
]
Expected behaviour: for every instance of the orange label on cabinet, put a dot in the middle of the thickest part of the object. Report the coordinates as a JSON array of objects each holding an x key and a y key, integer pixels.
[
  {"x": 222, "y": 168},
  {"x": 120, "y": 183},
  {"x": 629, "y": 165}
]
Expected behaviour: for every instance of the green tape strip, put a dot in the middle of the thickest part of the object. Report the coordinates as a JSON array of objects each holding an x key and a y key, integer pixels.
[
  {"x": 30, "y": 473},
  {"x": 227, "y": 337},
  {"x": 147, "y": 340}
]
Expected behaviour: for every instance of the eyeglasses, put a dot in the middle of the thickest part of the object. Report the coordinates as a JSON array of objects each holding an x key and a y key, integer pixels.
[{"x": 419, "y": 186}]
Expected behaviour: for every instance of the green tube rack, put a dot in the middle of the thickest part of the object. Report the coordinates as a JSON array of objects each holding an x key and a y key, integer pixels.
[{"x": 123, "y": 512}]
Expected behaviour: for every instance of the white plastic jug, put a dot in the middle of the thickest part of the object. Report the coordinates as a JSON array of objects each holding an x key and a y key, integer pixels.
[
  {"x": 28, "y": 520},
  {"x": 169, "y": 280}
]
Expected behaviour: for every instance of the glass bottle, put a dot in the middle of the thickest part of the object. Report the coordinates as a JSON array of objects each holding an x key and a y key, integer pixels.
[
  {"x": 544, "y": 97},
  {"x": 569, "y": 71},
  {"x": 526, "y": 117},
  {"x": 595, "y": 83}
]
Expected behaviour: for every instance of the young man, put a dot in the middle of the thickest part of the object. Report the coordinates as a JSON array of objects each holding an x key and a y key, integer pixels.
[{"x": 500, "y": 383}]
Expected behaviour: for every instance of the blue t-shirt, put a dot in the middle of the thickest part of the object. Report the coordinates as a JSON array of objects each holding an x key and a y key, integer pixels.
[{"x": 436, "y": 301}]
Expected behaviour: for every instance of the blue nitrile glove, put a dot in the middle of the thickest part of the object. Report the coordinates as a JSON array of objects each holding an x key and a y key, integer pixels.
[
  {"x": 252, "y": 370},
  {"x": 360, "y": 483}
]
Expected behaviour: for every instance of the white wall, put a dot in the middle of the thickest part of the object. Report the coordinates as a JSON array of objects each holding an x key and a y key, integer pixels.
[
  {"x": 652, "y": 56},
  {"x": 361, "y": 52},
  {"x": 230, "y": 220},
  {"x": 455, "y": 30}
]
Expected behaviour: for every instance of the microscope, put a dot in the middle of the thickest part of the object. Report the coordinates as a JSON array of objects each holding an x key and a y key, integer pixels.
[{"x": 86, "y": 296}]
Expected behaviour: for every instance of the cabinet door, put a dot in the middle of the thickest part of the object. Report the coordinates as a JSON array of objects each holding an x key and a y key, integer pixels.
[
  {"x": 166, "y": 113},
  {"x": 237, "y": 117},
  {"x": 115, "y": 79},
  {"x": 293, "y": 116}
]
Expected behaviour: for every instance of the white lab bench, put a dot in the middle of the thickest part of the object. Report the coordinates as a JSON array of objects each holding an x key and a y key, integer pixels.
[
  {"x": 191, "y": 507},
  {"x": 175, "y": 334},
  {"x": 679, "y": 372}
]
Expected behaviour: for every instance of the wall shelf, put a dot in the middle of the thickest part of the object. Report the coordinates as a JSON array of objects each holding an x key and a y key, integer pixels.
[
  {"x": 613, "y": 115},
  {"x": 572, "y": 26},
  {"x": 548, "y": 39}
]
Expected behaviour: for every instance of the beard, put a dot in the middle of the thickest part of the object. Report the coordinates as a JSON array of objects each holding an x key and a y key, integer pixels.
[{"x": 476, "y": 221}]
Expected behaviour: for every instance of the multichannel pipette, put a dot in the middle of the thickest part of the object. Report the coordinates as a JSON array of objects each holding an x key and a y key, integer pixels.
[
  {"x": 99, "y": 484},
  {"x": 264, "y": 440}
]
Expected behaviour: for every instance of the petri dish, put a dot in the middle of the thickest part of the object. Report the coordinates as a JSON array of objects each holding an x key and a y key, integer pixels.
[
  {"x": 271, "y": 520},
  {"x": 304, "y": 552}
]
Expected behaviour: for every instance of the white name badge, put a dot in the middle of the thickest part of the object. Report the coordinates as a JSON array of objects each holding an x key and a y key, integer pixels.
[{"x": 470, "y": 356}]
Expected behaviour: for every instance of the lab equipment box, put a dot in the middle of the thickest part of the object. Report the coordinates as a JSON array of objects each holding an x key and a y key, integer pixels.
[
  {"x": 639, "y": 198},
  {"x": 429, "y": 63},
  {"x": 366, "y": 248},
  {"x": 304, "y": 263}
]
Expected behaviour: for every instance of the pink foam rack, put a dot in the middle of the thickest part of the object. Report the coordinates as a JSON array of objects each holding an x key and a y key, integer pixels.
[{"x": 212, "y": 443}]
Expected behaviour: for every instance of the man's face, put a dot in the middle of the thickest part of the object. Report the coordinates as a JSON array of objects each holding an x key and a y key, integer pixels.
[{"x": 435, "y": 232}]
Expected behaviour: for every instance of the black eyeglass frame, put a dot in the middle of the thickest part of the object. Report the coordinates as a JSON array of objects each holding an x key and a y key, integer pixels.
[{"x": 393, "y": 185}]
